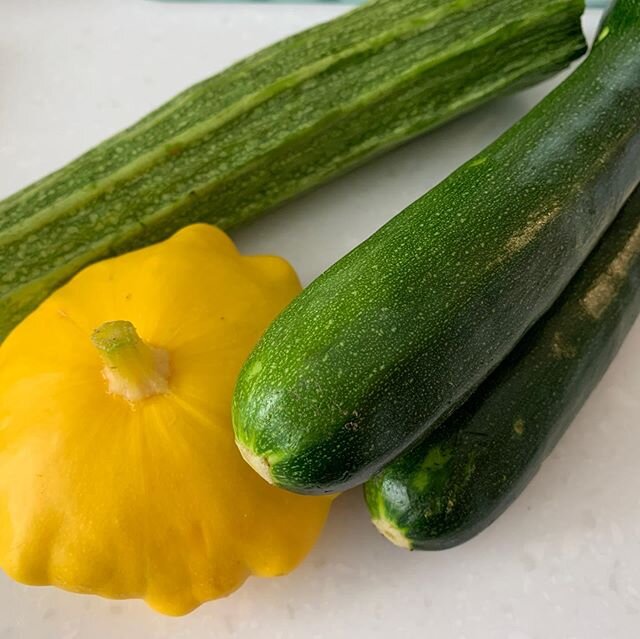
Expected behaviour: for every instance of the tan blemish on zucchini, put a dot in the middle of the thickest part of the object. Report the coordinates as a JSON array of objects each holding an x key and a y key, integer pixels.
[
  {"x": 561, "y": 348},
  {"x": 518, "y": 426},
  {"x": 529, "y": 233},
  {"x": 605, "y": 288},
  {"x": 257, "y": 462},
  {"x": 392, "y": 533}
]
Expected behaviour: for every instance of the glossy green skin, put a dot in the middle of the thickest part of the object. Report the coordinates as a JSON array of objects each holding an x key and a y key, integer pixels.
[
  {"x": 274, "y": 125},
  {"x": 464, "y": 475},
  {"x": 392, "y": 338}
]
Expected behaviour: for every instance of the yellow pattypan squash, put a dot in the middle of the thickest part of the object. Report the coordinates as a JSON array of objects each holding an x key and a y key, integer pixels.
[{"x": 119, "y": 474}]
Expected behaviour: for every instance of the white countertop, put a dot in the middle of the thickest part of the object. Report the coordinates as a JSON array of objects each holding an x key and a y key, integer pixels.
[{"x": 563, "y": 562}]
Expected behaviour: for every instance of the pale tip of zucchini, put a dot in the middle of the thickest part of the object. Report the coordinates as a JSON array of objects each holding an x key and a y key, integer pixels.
[
  {"x": 258, "y": 463},
  {"x": 392, "y": 533}
]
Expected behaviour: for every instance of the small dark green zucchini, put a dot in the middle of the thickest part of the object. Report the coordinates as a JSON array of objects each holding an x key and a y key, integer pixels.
[
  {"x": 274, "y": 125},
  {"x": 464, "y": 475},
  {"x": 386, "y": 343}
]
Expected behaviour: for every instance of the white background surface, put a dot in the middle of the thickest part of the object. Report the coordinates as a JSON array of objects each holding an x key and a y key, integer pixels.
[{"x": 563, "y": 562}]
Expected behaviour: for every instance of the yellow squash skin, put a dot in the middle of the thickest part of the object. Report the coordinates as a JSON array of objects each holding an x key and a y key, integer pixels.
[{"x": 147, "y": 498}]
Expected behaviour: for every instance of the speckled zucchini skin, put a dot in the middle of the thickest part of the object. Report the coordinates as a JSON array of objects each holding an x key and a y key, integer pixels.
[
  {"x": 274, "y": 125},
  {"x": 392, "y": 338},
  {"x": 464, "y": 475}
]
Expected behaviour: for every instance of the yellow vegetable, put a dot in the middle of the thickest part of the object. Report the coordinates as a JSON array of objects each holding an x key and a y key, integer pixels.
[{"x": 119, "y": 474}]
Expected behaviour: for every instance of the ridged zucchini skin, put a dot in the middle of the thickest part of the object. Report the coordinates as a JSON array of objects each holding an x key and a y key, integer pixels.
[
  {"x": 393, "y": 337},
  {"x": 274, "y": 125},
  {"x": 464, "y": 475}
]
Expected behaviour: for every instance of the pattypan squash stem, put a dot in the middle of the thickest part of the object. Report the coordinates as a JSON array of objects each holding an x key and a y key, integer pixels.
[{"x": 134, "y": 370}]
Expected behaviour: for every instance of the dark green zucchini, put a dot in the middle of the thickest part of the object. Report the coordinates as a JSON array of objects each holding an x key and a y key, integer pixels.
[
  {"x": 464, "y": 475},
  {"x": 392, "y": 338},
  {"x": 274, "y": 125}
]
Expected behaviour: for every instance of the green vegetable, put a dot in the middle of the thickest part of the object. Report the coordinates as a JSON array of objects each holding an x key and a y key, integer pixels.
[
  {"x": 274, "y": 125},
  {"x": 392, "y": 338},
  {"x": 464, "y": 475}
]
